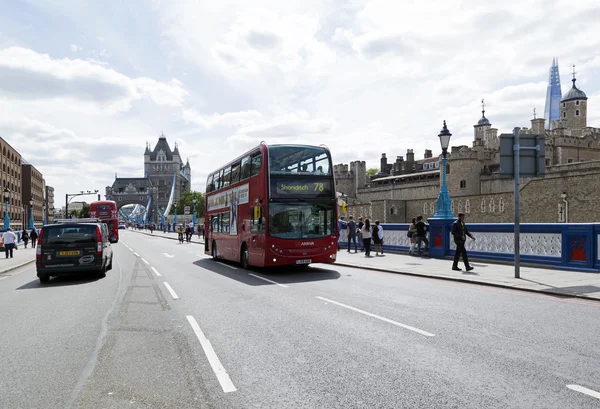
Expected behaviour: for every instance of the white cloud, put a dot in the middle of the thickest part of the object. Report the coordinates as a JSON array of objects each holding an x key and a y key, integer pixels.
[{"x": 363, "y": 77}]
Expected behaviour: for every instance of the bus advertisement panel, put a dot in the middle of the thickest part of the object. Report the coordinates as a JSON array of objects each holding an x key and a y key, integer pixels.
[
  {"x": 273, "y": 206},
  {"x": 106, "y": 210}
]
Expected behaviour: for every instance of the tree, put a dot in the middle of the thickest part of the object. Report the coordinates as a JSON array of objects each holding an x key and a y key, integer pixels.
[
  {"x": 372, "y": 172},
  {"x": 85, "y": 211},
  {"x": 187, "y": 199}
]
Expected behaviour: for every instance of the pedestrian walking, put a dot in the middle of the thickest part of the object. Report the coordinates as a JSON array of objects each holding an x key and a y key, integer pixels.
[
  {"x": 422, "y": 236},
  {"x": 359, "y": 227},
  {"x": 366, "y": 234},
  {"x": 25, "y": 237},
  {"x": 9, "y": 242},
  {"x": 33, "y": 236},
  {"x": 412, "y": 236},
  {"x": 180, "y": 232},
  {"x": 340, "y": 226},
  {"x": 376, "y": 238},
  {"x": 460, "y": 233},
  {"x": 351, "y": 228},
  {"x": 380, "y": 235}
]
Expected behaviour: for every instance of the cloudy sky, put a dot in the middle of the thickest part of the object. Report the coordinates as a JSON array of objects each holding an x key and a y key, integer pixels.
[{"x": 84, "y": 84}]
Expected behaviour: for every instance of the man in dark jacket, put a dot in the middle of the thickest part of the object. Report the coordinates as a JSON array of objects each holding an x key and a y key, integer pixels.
[
  {"x": 460, "y": 233},
  {"x": 351, "y": 229},
  {"x": 422, "y": 235}
]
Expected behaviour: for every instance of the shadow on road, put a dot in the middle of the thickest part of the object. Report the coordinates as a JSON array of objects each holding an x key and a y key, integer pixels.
[
  {"x": 282, "y": 275},
  {"x": 60, "y": 281}
]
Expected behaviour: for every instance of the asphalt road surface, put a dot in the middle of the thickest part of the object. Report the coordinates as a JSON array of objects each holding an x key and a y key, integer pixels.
[{"x": 170, "y": 328}]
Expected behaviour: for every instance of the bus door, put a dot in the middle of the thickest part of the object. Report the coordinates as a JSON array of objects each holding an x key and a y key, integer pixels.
[{"x": 257, "y": 234}]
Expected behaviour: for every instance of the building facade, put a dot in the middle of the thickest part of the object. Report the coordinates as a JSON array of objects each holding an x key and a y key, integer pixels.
[
  {"x": 409, "y": 187},
  {"x": 34, "y": 188},
  {"x": 553, "y": 95},
  {"x": 49, "y": 204},
  {"x": 11, "y": 180}
]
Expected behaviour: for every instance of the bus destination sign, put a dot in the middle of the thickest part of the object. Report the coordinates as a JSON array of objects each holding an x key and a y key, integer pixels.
[{"x": 300, "y": 187}]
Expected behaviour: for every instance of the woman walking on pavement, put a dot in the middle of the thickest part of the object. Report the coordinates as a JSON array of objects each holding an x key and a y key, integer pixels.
[
  {"x": 25, "y": 237},
  {"x": 366, "y": 234},
  {"x": 33, "y": 236},
  {"x": 412, "y": 236}
]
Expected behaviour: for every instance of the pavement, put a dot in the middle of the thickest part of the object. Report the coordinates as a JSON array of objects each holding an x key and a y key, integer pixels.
[
  {"x": 170, "y": 328},
  {"x": 21, "y": 257},
  {"x": 544, "y": 280}
]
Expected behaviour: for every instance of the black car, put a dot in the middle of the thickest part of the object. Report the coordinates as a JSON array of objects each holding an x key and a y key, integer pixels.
[{"x": 72, "y": 247}]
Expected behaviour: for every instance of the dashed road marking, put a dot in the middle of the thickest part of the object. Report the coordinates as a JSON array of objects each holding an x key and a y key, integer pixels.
[
  {"x": 417, "y": 330},
  {"x": 213, "y": 359},
  {"x": 227, "y": 265},
  {"x": 584, "y": 390},
  {"x": 171, "y": 291},
  {"x": 144, "y": 260},
  {"x": 156, "y": 272},
  {"x": 270, "y": 281}
]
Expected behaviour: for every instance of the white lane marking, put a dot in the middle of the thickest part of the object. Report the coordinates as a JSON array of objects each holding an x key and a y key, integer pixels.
[
  {"x": 586, "y": 391},
  {"x": 417, "y": 330},
  {"x": 168, "y": 255},
  {"x": 213, "y": 359},
  {"x": 144, "y": 260},
  {"x": 156, "y": 272},
  {"x": 266, "y": 279},
  {"x": 136, "y": 254},
  {"x": 227, "y": 265},
  {"x": 171, "y": 291}
]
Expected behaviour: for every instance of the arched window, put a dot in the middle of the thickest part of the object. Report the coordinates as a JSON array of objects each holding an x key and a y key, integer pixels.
[
  {"x": 467, "y": 206},
  {"x": 393, "y": 210},
  {"x": 452, "y": 205},
  {"x": 577, "y": 111},
  {"x": 463, "y": 184},
  {"x": 424, "y": 208},
  {"x": 482, "y": 205},
  {"x": 460, "y": 207},
  {"x": 432, "y": 208},
  {"x": 501, "y": 205},
  {"x": 492, "y": 205}
]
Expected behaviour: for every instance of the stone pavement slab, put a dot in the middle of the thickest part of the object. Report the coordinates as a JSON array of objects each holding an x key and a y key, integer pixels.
[
  {"x": 21, "y": 257},
  {"x": 545, "y": 280}
]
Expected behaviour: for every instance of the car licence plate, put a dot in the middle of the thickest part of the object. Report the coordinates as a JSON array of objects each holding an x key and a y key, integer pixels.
[
  {"x": 306, "y": 261},
  {"x": 69, "y": 253}
]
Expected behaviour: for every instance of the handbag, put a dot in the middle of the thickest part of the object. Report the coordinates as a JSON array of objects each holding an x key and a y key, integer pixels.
[{"x": 409, "y": 234}]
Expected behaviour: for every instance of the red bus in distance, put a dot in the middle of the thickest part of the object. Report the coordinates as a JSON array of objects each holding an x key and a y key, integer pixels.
[
  {"x": 273, "y": 206},
  {"x": 106, "y": 210}
]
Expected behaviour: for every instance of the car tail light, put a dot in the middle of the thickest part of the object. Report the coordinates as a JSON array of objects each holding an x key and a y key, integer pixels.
[
  {"x": 99, "y": 239},
  {"x": 38, "y": 249}
]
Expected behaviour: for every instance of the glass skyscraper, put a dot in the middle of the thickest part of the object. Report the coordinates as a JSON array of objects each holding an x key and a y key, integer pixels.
[{"x": 553, "y": 95}]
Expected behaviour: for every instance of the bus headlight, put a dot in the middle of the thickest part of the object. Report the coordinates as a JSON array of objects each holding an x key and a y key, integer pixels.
[{"x": 274, "y": 260}]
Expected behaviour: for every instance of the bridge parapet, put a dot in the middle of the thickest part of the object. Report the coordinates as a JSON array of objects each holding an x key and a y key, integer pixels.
[{"x": 568, "y": 246}]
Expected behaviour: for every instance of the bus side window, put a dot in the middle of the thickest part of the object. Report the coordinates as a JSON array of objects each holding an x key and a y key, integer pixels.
[
  {"x": 257, "y": 224},
  {"x": 245, "y": 168},
  {"x": 209, "y": 184},
  {"x": 226, "y": 176},
  {"x": 218, "y": 180},
  {"x": 256, "y": 163},
  {"x": 235, "y": 173}
]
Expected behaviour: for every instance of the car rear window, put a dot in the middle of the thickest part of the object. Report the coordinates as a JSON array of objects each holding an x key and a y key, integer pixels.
[{"x": 68, "y": 234}]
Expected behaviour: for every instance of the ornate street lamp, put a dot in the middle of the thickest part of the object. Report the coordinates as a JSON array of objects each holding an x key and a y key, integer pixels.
[
  {"x": 44, "y": 206},
  {"x": 175, "y": 216},
  {"x": 6, "y": 216},
  {"x": 444, "y": 204},
  {"x": 31, "y": 225},
  {"x": 194, "y": 213}
]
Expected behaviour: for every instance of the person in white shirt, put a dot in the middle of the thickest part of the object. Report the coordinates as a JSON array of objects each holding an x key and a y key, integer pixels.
[
  {"x": 9, "y": 242},
  {"x": 380, "y": 235}
]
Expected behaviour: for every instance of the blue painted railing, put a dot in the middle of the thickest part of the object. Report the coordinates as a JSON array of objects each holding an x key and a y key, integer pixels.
[{"x": 564, "y": 246}]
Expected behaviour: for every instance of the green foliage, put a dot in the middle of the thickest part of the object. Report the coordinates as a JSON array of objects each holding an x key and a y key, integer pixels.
[
  {"x": 371, "y": 172},
  {"x": 85, "y": 211},
  {"x": 187, "y": 199}
]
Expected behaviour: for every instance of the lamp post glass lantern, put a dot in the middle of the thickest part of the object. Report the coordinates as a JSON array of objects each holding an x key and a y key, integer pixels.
[
  {"x": 444, "y": 203},
  {"x": 44, "y": 214},
  {"x": 6, "y": 216}
]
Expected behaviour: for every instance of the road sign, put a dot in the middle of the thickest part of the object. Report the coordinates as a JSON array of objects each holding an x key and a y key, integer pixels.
[
  {"x": 186, "y": 210},
  {"x": 531, "y": 153}
]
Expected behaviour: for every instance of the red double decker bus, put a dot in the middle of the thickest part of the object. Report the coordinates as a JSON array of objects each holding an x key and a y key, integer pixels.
[
  {"x": 106, "y": 210},
  {"x": 273, "y": 206}
]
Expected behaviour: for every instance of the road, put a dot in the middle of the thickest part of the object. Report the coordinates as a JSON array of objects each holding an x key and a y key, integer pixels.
[{"x": 169, "y": 328}]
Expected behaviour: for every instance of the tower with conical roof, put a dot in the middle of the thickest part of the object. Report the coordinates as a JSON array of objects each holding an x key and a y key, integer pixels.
[
  {"x": 485, "y": 135},
  {"x": 573, "y": 108},
  {"x": 553, "y": 95}
]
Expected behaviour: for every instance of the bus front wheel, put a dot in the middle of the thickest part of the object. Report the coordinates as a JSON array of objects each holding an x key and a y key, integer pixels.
[
  {"x": 244, "y": 257},
  {"x": 214, "y": 250}
]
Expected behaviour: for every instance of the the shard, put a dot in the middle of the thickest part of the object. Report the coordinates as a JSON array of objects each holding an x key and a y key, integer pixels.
[{"x": 553, "y": 95}]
